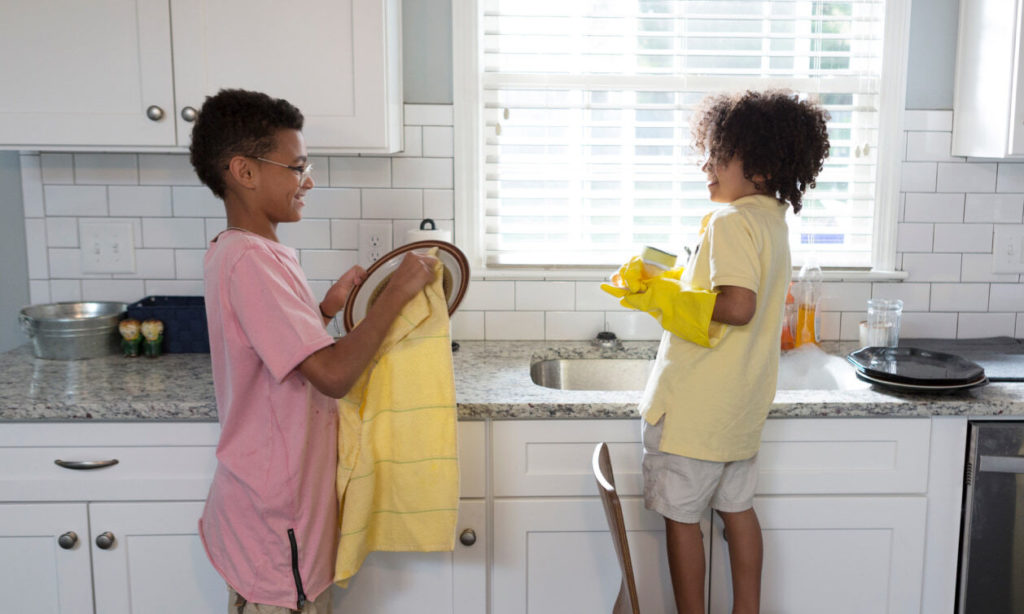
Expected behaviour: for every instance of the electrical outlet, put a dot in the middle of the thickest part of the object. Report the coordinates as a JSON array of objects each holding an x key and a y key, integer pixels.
[
  {"x": 374, "y": 241},
  {"x": 1008, "y": 249},
  {"x": 107, "y": 247}
]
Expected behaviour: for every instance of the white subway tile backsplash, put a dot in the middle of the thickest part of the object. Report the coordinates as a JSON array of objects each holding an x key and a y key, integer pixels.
[
  {"x": 930, "y": 146},
  {"x": 195, "y": 201},
  {"x": 830, "y": 326},
  {"x": 1010, "y": 177},
  {"x": 31, "y": 186},
  {"x": 384, "y": 204},
  {"x": 321, "y": 170},
  {"x": 998, "y": 208},
  {"x": 545, "y": 295},
  {"x": 327, "y": 265},
  {"x": 166, "y": 169},
  {"x": 438, "y": 142},
  {"x": 917, "y": 324},
  {"x": 349, "y": 172},
  {"x": 959, "y": 297},
  {"x": 149, "y": 201},
  {"x": 66, "y": 262},
  {"x": 978, "y": 267},
  {"x": 332, "y": 203},
  {"x": 75, "y": 200},
  {"x": 918, "y": 177},
  {"x": 345, "y": 234},
  {"x": 915, "y": 297},
  {"x": 489, "y": 295},
  {"x": 400, "y": 230},
  {"x": 305, "y": 234},
  {"x": 188, "y": 263},
  {"x": 963, "y": 238},
  {"x": 914, "y": 237},
  {"x": 413, "y": 145},
  {"x": 106, "y": 169},
  {"x": 927, "y": 120},
  {"x": 62, "y": 231},
  {"x": 849, "y": 328},
  {"x": 151, "y": 264},
  {"x": 975, "y": 325},
  {"x": 468, "y": 325},
  {"x": 590, "y": 297},
  {"x": 931, "y": 207},
  {"x": 633, "y": 325},
  {"x": 212, "y": 227},
  {"x": 58, "y": 168},
  {"x": 35, "y": 243},
  {"x": 173, "y": 232},
  {"x": 932, "y": 267},
  {"x": 428, "y": 115},
  {"x": 65, "y": 290},
  {"x": 966, "y": 177},
  {"x": 38, "y": 292},
  {"x": 124, "y": 290},
  {"x": 845, "y": 296},
  {"x": 172, "y": 287},
  {"x": 573, "y": 325},
  {"x": 422, "y": 172},
  {"x": 439, "y": 204},
  {"x": 1007, "y": 297},
  {"x": 511, "y": 325}
]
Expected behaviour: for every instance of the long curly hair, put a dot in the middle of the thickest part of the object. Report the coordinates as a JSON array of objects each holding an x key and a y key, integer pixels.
[
  {"x": 237, "y": 122},
  {"x": 780, "y": 138}
]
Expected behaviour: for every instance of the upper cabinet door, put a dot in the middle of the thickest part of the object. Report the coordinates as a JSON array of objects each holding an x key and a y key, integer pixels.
[
  {"x": 339, "y": 61},
  {"x": 86, "y": 74}
]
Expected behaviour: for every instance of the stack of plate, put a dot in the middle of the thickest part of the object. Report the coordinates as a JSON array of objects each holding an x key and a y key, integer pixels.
[{"x": 913, "y": 369}]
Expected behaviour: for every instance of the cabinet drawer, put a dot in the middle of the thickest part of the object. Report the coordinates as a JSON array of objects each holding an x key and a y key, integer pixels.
[{"x": 797, "y": 456}]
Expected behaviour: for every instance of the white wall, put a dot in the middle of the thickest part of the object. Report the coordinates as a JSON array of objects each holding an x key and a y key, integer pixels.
[{"x": 950, "y": 207}]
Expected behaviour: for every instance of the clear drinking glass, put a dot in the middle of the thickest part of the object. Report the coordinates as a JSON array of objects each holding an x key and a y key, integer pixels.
[{"x": 883, "y": 323}]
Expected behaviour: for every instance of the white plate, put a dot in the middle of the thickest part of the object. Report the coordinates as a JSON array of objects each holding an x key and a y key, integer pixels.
[{"x": 456, "y": 271}]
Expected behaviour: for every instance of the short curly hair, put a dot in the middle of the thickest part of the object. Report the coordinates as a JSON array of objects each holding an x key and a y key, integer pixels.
[
  {"x": 237, "y": 122},
  {"x": 778, "y": 137}
]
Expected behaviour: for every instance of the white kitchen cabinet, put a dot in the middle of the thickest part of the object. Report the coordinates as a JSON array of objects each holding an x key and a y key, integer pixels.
[
  {"x": 37, "y": 574},
  {"x": 129, "y": 74},
  {"x": 988, "y": 99}
]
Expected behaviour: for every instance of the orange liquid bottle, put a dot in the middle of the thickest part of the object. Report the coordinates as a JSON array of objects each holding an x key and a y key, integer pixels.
[{"x": 805, "y": 328}]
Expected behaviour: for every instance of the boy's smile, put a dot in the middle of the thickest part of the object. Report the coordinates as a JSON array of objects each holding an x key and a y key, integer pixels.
[
  {"x": 726, "y": 182},
  {"x": 285, "y": 185}
]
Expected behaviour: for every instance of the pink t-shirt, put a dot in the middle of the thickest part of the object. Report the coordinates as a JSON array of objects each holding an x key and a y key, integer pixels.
[{"x": 273, "y": 496}]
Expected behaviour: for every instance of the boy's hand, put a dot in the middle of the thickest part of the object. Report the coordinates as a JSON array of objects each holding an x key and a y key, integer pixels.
[
  {"x": 412, "y": 275},
  {"x": 336, "y": 296}
]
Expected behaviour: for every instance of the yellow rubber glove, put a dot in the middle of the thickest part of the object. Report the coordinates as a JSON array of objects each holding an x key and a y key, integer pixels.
[{"x": 683, "y": 311}]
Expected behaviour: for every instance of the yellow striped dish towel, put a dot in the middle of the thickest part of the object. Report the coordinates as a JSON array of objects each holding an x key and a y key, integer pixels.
[{"x": 398, "y": 473}]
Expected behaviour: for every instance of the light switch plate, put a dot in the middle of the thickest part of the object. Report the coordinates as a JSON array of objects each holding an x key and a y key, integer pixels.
[
  {"x": 107, "y": 247},
  {"x": 1008, "y": 249}
]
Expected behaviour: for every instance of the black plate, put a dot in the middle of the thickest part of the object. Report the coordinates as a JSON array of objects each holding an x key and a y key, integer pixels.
[
  {"x": 931, "y": 388},
  {"x": 915, "y": 367}
]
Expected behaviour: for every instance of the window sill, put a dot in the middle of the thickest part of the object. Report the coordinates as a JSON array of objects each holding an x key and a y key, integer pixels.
[{"x": 564, "y": 273}]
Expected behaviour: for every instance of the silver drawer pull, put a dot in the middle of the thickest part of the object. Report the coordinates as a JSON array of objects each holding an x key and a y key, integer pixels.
[
  {"x": 84, "y": 465},
  {"x": 1001, "y": 464}
]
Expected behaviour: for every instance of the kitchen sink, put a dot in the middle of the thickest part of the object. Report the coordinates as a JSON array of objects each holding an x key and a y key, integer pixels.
[{"x": 592, "y": 373}]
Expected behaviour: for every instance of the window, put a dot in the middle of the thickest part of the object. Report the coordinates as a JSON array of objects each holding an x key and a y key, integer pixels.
[{"x": 574, "y": 150}]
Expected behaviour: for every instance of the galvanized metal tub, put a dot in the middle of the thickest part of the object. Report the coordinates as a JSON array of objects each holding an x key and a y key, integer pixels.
[{"x": 73, "y": 330}]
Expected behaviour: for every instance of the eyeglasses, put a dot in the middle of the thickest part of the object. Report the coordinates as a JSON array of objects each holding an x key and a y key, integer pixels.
[{"x": 303, "y": 171}]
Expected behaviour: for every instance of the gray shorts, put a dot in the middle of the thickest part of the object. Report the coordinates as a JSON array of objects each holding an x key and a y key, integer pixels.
[
  {"x": 682, "y": 488},
  {"x": 239, "y": 605}
]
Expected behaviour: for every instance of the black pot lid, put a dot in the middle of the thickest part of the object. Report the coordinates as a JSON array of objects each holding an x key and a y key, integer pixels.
[{"x": 907, "y": 365}]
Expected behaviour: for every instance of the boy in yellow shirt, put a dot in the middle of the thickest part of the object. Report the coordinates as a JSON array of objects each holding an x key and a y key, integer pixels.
[{"x": 703, "y": 408}]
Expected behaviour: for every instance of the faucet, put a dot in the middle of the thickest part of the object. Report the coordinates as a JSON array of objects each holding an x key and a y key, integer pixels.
[{"x": 607, "y": 340}]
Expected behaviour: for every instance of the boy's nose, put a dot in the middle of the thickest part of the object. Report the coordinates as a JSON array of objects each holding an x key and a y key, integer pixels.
[{"x": 309, "y": 184}]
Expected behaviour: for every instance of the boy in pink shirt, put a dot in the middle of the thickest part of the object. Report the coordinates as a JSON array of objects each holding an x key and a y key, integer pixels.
[{"x": 270, "y": 521}]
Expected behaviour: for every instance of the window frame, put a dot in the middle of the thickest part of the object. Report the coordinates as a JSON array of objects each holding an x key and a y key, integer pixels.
[{"x": 468, "y": 162}]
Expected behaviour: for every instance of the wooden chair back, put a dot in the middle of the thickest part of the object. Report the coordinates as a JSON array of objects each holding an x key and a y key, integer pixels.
[{"x": 626, "y": 603}]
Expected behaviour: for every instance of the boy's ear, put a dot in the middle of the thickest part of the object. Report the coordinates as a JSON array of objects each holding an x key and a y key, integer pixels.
[{"x": 242, "y": 172}]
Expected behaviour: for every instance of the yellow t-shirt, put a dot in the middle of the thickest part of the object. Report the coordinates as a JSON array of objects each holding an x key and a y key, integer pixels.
[{"x": 715, "y": 400}]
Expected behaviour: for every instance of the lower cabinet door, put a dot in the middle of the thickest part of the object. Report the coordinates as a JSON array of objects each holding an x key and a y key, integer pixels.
[
  {"x": 841, "y": 555},
  {"x": 156, "y": 561},
  {"x": 553, "y": 556},
  {"x": 425, "y": 582},
  {"x": 44, "y": 558}
]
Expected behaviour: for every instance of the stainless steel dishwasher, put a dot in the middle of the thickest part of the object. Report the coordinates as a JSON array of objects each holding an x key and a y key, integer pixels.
[{"x": 992, "y": 543}]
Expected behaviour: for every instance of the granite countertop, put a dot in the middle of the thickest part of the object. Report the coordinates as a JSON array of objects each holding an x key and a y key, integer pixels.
[{"x": 492, "y": 380}]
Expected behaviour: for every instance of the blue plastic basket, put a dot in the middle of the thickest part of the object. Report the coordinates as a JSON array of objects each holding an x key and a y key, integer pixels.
[{"x": 184, "y": 319}]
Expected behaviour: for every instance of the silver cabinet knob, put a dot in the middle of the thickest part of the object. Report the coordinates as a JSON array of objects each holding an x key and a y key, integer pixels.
[
  {"x": 155, "y": 113},
  {"x": 68, "y": 540},
  {"x": 467, "y": 537},
  {"x": 105, "y": 540},
  {"x": 189, "y": 114}
]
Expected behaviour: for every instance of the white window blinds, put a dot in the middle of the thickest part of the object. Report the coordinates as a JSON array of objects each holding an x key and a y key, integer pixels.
[{"x": 585, "y": 117}]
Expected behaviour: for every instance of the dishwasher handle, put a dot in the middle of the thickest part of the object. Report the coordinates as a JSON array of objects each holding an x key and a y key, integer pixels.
[
  {"x": 1001, "y": 464},
  {"x": 86, "y": 465}
]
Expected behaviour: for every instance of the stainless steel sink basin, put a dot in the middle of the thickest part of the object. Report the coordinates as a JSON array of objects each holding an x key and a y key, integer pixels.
[{"x": 592, "y": 373}]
